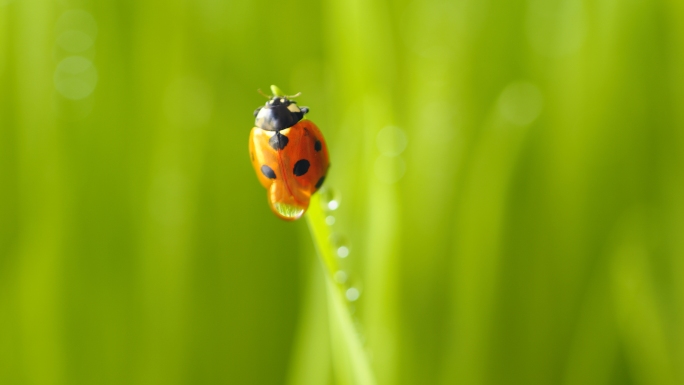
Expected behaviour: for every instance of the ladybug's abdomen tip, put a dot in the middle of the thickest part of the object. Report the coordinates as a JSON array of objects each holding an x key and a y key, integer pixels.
[{"x": 287, "y": 203}]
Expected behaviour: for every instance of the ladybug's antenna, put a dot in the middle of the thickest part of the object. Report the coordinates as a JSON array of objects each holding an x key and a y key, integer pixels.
[
  {"x": 263, "y": 94},
  {"x": 279, "y": 93}
]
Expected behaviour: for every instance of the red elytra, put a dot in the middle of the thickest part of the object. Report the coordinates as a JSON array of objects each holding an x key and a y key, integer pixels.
[{"x": 290, "y": 162}]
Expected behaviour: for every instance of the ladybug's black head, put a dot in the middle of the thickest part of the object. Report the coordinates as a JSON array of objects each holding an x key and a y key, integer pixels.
[{"x": 278, "y": 114}]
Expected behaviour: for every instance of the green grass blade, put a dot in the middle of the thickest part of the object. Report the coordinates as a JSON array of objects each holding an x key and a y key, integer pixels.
[{"x": 350, "y": 361}]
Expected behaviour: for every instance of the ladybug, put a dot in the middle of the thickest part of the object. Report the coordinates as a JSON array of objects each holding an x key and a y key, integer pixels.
[{"x": 288, "y": 153}]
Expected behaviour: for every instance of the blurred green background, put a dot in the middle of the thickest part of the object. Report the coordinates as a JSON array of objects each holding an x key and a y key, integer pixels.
[{"x": 510, "y": 177}]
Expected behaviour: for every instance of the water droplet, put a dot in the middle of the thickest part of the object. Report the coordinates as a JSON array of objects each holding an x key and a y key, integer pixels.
[
  {"x": 360, "y": 333},
  {"x": 343, "y": 251},
  {"x": 330, "y": 220},
  {"x": 352, "y": 294},
  {"x": 288, "y": 211},
  {"x": 391, "y": 141},
  {"x": 75, "y": 77},
  {"x": 520, "y": 103},
  {"x": 341, "y": 245},
  {"x": 341, "y": 276},
  {"x": 330, "y": 199}
]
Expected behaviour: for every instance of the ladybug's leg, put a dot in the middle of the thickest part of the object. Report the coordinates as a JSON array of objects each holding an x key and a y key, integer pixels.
[{"x": 305, "y": 110}]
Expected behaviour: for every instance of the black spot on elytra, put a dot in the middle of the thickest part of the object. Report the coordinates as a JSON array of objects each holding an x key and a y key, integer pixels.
[
  {"x": 318, "y": 146},
  {"x": 268, "y": 172},
  {"x": 301, "y": 167},
  {"x": 278, "y": 141},
  {"x": 320, "y": 182}
]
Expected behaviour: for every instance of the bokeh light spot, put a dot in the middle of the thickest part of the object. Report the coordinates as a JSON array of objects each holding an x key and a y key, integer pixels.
[
  {"x": 520, "y": 103},
  {"x": 389, "y": 169},
  {"x": 74, "y": 41},
  {"x": 75, "y": 77},
  {"x": 76, "y": 31},
  {"x": 391, "y": 141},
  {"x": 343, "y": 251},
  {"x": 341, "y": 276},
  {"x": 352, "y": 294},
  {"x": 556, "y": 28},
  {"x": 333, "y": 205}
]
